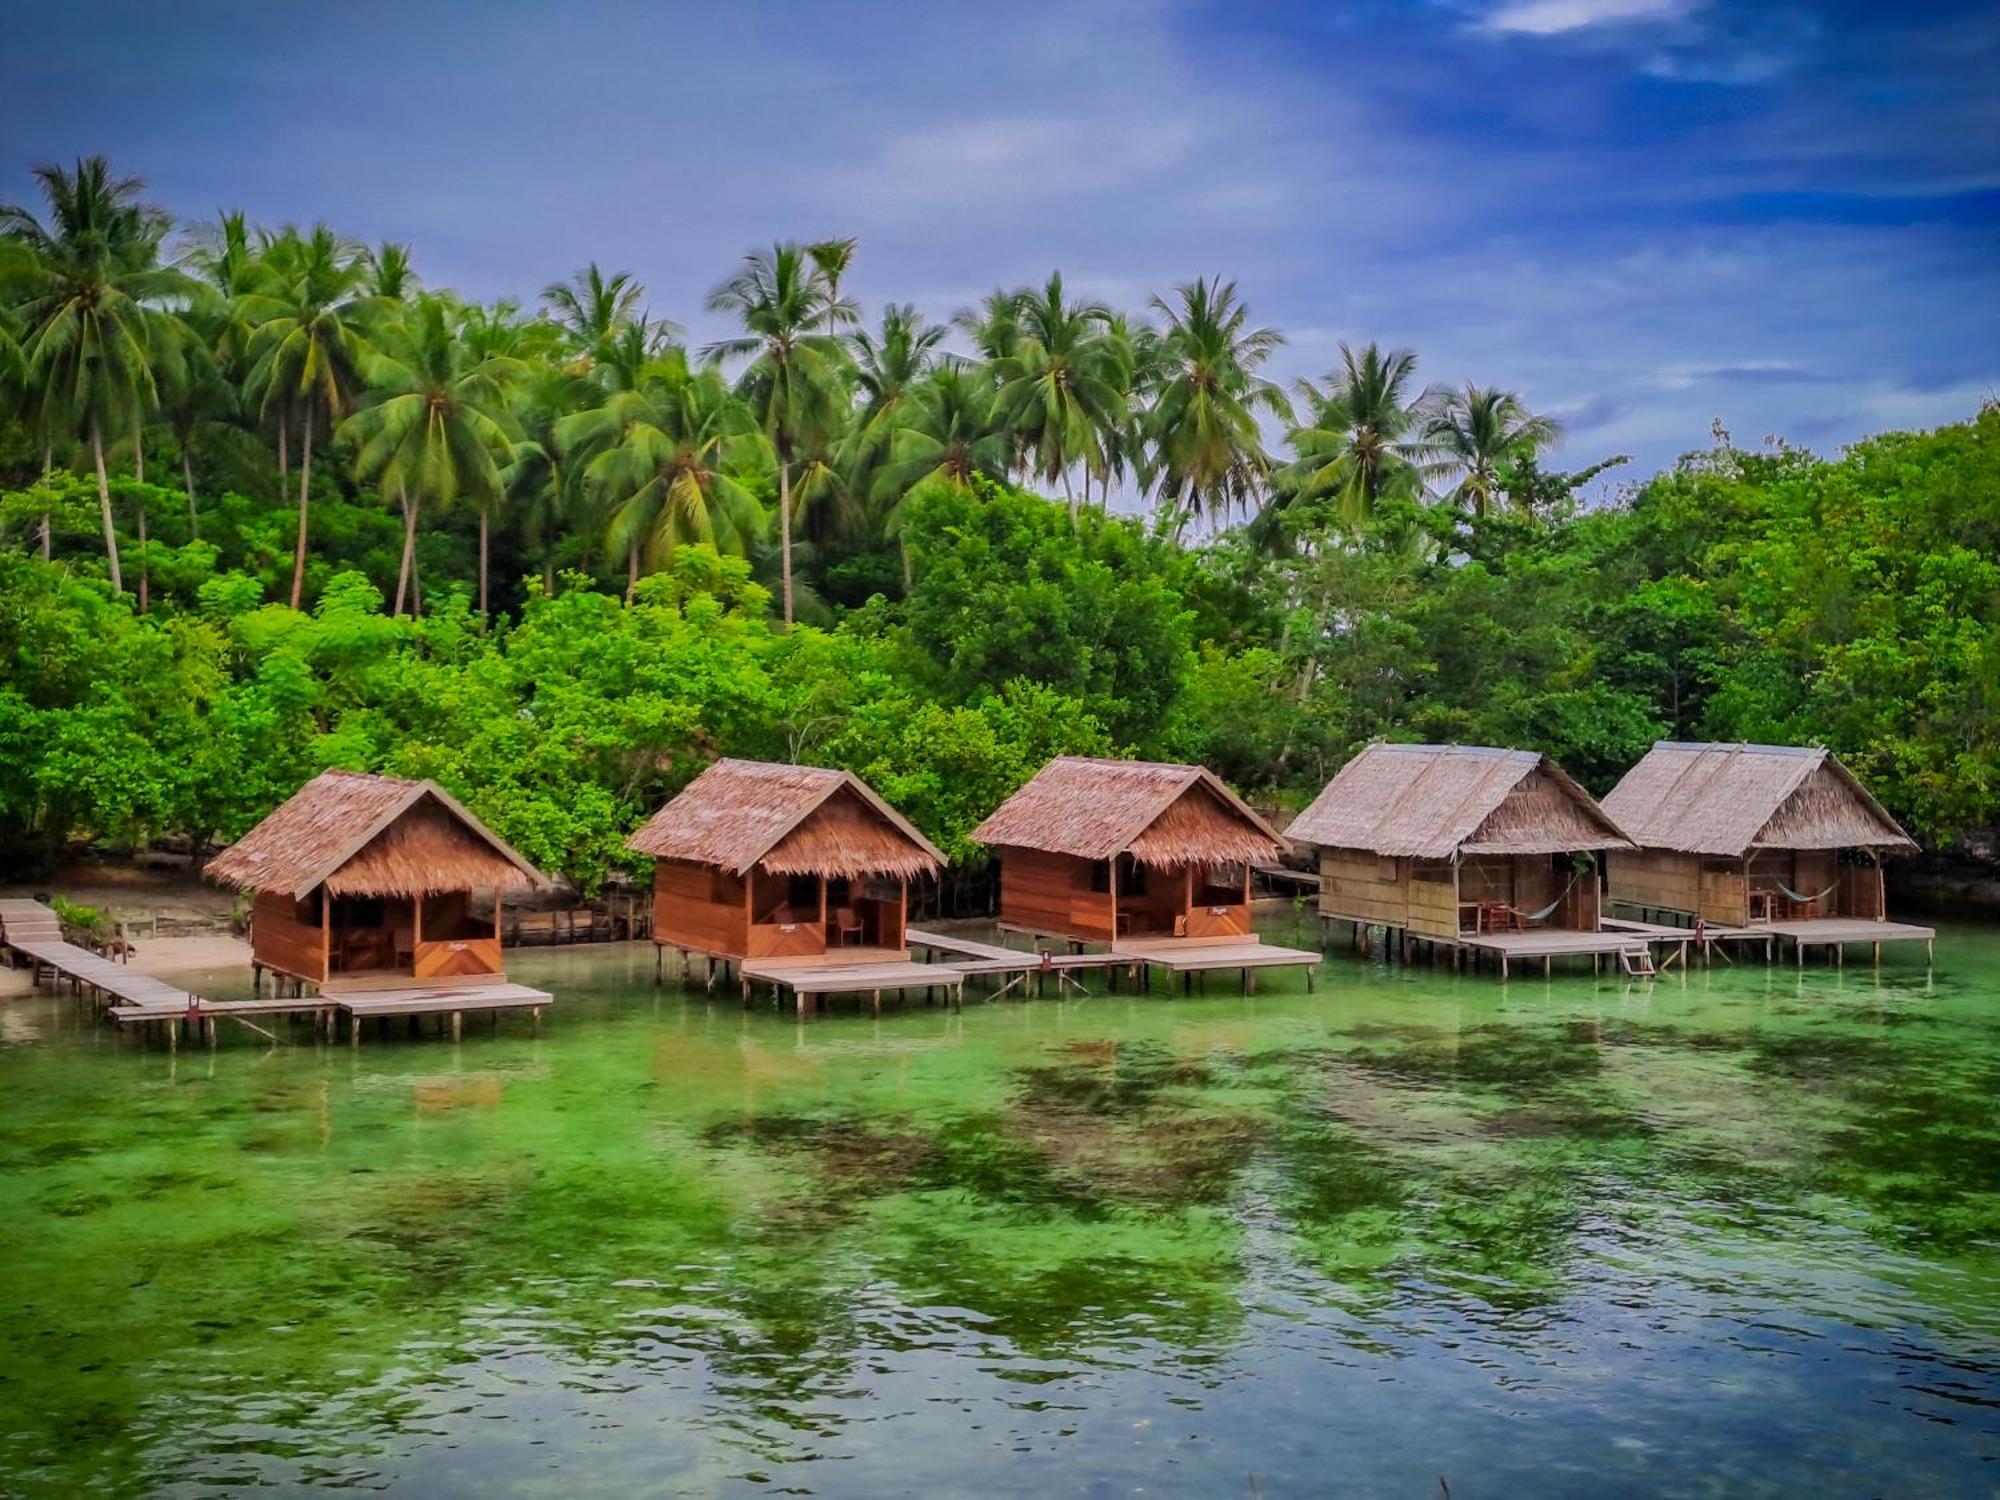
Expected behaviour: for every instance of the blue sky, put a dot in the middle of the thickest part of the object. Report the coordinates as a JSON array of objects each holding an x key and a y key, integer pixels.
[{"x": 1641, "y": 214}]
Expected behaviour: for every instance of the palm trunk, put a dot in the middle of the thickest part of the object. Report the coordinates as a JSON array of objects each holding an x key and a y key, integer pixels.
[
  {"x": 631, "y": 571},
  {"x": 1075, "y": 510},
  {"x": 187, "y": 484},
  {"x": 104, "y": 508},
  {"x": 785, "y": 531},
  {"x": 305, "y": 503},
  {"x": 408, "y": 569},
  {"x": 284, "y": 466},
  {"x": 484, "y": 615}
]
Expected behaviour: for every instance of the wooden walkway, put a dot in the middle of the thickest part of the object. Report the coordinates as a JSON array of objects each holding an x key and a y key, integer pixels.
[
  {"x": 1633, "y": 950},
  {"x": 1013, "y": 967},
  {"x": 33, "y": 931}
]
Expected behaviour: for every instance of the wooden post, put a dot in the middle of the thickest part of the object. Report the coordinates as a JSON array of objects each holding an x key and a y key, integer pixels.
[
  {"x": 416, "y": 929},
  {"x": 457, "y": 1025},
  {"x": 325, "y": 933}
]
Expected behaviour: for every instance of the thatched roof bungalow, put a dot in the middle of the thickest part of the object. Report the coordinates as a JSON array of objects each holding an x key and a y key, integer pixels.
[
  {"x": 1106, "y": 849},
  {"x": 357, "y": 875},
  {"x": 1737, "y": 834},
  {"x": 755, "y": 860},
  {"x": 1440, "y": 841}
]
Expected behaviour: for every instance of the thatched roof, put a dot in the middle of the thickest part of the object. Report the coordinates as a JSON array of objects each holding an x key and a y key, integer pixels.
[
  {"x": 789, "y": 820},
  {"x": 1728, "y": 799},
  {"x": 361, "y": 835},
  {"x": 1434, "y": 801},
  {"x": 1166, "y": 816}
]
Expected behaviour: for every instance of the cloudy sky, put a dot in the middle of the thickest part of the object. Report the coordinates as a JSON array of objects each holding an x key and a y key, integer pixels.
[{"x": 1642, "y": 214}]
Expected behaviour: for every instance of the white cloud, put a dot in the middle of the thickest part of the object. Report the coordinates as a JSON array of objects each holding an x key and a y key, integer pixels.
[{"x": 1554, "y": 17}]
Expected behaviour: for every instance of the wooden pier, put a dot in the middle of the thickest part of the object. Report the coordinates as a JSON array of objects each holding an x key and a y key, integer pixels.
[{"x": 31, "y": 930}]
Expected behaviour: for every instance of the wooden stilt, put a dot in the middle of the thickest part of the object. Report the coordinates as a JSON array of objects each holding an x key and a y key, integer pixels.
[{"x": 457, "y": 1025}]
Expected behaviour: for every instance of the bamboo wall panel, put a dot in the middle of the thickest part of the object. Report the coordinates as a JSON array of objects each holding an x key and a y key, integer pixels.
[
  {"x": 1433, "y": 899},
  {"x": 278, "y": 940},
  {"x": 1725, "y": 893},
  {"x": 687, "y": 915},
  {"x": 454, "y": 956},
  {"x": 1352, "y": 885},
  {"x": 1657, "y": 879}
]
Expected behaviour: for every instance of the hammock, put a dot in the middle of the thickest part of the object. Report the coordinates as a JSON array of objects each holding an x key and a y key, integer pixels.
[
  {"x": 1536, "y": 916},
  {"x": 1808, "y": 900}
]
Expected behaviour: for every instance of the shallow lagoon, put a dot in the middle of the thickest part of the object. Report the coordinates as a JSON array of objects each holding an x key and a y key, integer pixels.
[{"x": 1736, "y": 1233}]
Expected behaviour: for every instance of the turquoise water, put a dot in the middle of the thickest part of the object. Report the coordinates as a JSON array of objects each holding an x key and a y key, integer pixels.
[{"x": 1731, "y": 1234}]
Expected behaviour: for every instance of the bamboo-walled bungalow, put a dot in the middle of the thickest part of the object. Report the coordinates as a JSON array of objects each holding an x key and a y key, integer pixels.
[
  {"x": 1460, "y": 845},
  {"x": 363, "y": 881},
  {"x": 1110, "y": 850},
  {"x": 754, "y": 861},
  {"x": 1750, "y": 835}
]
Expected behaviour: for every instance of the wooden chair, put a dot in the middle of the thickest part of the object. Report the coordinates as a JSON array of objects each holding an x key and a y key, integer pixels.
[
  {"x": 1498, "y": 916},
  {"x": 402, "y": 947},
  {"x": 846, "y": 926},
  {"x": 1761, "y": 905}
]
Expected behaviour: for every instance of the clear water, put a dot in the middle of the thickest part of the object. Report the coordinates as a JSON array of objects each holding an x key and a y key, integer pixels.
[{"x": 1733, "y": 1234}]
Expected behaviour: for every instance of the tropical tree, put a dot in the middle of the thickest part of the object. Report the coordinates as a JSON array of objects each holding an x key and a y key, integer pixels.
[
  {"x": 592, "y": 308},
  {"x": 435, "y": 425},
  {"x": 888, "y": 367},
  {"x": 833, "y": 257},
  {"x": 794, "y": 382},
  {"x": 1359, "y": 442},
  {"x": 1209, "y": 455},
  {"x": 542, "y": 486},
  {"x": 87, "y": 291},
  {"x": 306, "y": 348},
  {"x": 1063, "y": 388},
  {"x": 671, "y": 459},
  {"x": 947, "y": 435},
  {"x": 1475, "y": 434}
]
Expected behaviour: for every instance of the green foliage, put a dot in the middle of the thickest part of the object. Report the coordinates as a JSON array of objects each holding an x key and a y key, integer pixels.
[{"x": 1007, "y": 588}]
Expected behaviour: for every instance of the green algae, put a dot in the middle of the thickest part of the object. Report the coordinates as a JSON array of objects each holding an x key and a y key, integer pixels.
[{"x": 1735, "y": 1232}]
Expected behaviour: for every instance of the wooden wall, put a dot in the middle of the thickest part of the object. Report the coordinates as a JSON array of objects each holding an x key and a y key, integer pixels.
[
  {"x": 1656, "y": 879},
  {"x": 454, "y": 956},
  {"x": 700, "y": 909},
  {"x": 280, "y": 941},
  {"x": 1861, "y": 893},
  {"x": 1051, "y": 893},
  {"x": 1416, "y": 895}
]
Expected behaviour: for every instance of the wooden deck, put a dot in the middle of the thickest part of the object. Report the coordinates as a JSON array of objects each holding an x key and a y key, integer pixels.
[
  {"x": 1191, "y": 956},
  {"x": 1014, "y": 967},
  {"x": 808, "y": 979}
]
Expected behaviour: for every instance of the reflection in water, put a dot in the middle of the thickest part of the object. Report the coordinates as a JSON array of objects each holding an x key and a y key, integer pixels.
[{"x": 1737, "y": 1233}]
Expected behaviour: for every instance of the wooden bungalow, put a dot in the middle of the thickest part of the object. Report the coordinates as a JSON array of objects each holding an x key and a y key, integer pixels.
[
  {"x": 1461, "y": 845},
  {"x": 365, "y": 881},
  {"x": 1750, "y": 835},
  {"x": 1111, "y": 850},
  {"x": 755, "y": 861}
]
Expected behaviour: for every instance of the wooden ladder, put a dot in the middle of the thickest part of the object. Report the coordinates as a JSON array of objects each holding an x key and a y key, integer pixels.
[{"x": 1637, "y": 960}]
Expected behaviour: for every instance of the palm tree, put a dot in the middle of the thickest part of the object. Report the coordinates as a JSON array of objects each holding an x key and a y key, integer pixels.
[
  {"x": 1476, "y": 433},
  {"x": 541, "y": 484},
  {"x": 788, "y": 310},
  {"x": 306, "y": 348},
  {"x": 1203, "y": 424},
  {"x": 593, "y": 308},
  {"x": 195, "y": 397},
  {"x": 87, "y": 290},
  {"x": 887, "y": 371},
  {"x": 390, "y": 276},
  {"x": 435, "y": 424},
  {"x": 1063, "y": 388},
  {"x": 833, "y": 257},
  {"x": 669, "y": 458},
  {"x": 1358, "y": 445},
  {"x": 947, "y": 435}
]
